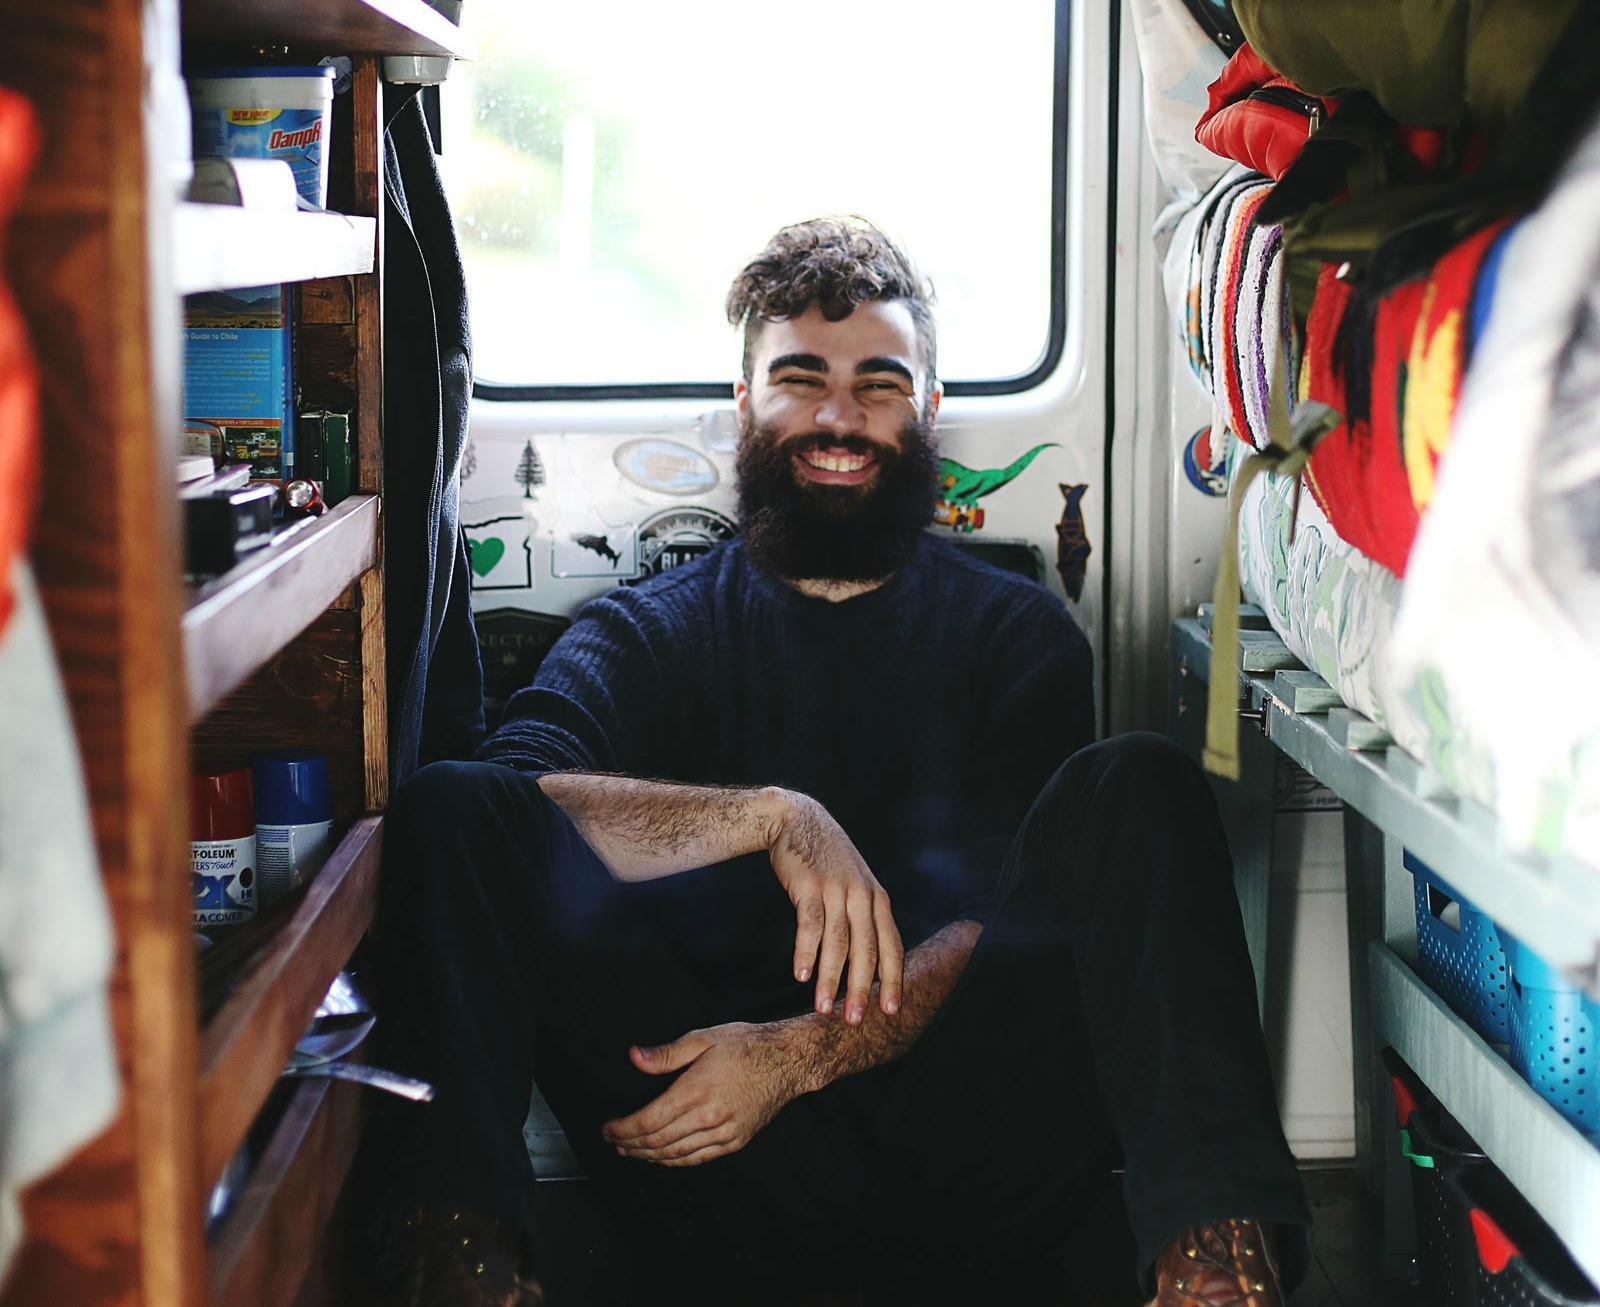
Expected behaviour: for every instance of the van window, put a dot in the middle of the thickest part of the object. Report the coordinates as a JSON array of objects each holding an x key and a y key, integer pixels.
[{"x": 612, "y": 169}]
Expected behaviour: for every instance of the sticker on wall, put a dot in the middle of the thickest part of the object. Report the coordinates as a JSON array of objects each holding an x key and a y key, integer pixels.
[
  {"x": 1205, "y": 472},
  {"x": 604, "y": 551},
  {"x": 530, "y": 471},
  {"x": 666, "y": 467},
  {"x": 1072, "y": 542},
  {"x": 512, "y": 643},
  {"x": 677, "y": 535},
  {"x": 500, "y": 553},
  {"x": 961, "y": 487}
]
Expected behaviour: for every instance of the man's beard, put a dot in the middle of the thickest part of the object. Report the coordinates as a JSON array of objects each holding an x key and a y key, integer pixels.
[{"x": 805, "y": 530}]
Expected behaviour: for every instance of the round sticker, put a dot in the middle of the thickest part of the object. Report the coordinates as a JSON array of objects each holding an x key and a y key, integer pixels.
[{"x": 666, "y": 467}]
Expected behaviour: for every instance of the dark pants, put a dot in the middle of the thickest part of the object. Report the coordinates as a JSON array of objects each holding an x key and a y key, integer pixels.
[{"x": 1109, "y": 1002}]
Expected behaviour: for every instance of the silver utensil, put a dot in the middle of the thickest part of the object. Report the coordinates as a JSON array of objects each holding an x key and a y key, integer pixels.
[{"x": 418, "y": 1091}]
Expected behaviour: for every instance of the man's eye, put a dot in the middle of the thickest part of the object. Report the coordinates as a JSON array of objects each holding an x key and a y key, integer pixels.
[
  {"x": 800, "y": 381},
  {"x": 882, "y": 386}
]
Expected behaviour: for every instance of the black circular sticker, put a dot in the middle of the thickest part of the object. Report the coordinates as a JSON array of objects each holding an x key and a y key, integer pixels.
[{"x": 677, "y": 535}]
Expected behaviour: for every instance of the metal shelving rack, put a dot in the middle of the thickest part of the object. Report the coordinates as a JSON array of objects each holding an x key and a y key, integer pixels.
[{"x": 1393, "y": 803}]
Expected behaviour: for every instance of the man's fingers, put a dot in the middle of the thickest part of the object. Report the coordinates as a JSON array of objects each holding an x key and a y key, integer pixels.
[
  {"x": 891, "y": 955},
  {"x": 835, "y": 948},
  {"x": 676, "y": 1150},
  {"x": 863, "y": 958},
  {"x": 811, "y": 915},
  {"x": 655, "y": 1115},
  {"x": 694, "y": 1121},
  {"x": 662, "y": 1059},
  {"x": 707, "y": 1154}
]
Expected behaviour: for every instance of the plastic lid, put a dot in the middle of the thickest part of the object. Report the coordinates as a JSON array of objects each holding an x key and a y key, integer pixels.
[
  {"x": 220, "y": 807},
  {"x": 266, "y": 70},
  {"x": 292, "y": 789}
]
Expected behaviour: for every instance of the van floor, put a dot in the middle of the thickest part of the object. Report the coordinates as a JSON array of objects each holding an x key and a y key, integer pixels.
[{"x": 1345, "y": 1270}]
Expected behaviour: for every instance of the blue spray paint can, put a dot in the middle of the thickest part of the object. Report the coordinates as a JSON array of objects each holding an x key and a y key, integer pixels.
[{"x": 294, "y": 820}]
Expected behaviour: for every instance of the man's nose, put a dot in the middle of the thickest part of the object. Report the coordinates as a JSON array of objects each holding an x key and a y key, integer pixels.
[{"x": 841, "y": 414}]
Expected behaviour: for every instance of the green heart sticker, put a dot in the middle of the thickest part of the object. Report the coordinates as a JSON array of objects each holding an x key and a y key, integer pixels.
[{"x": 485, "y": 553}]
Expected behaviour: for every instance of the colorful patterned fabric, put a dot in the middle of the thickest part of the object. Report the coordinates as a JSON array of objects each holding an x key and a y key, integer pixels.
[
  {"x": 1441, "y": 347},
  {"x": 1507, "y": 564}
]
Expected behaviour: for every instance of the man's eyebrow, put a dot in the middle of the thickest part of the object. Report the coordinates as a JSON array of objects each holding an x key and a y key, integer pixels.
[
  {"x": 885, "y": 365},
  {"x": 808, "y": 362}
]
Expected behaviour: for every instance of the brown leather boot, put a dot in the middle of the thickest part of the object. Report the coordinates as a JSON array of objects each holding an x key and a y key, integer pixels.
[
  {"x": 445, "y": 1257},
  {"x": 1219, "y": 1264}
]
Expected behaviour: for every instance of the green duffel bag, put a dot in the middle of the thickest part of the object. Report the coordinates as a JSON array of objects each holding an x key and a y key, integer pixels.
[{"x": 1429, "y": 63}]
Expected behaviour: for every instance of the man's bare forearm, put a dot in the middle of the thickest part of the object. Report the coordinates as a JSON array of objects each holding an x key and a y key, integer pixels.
[
  {"x": 824, "y": 1048},
  {"x": 643, "y": 830}
]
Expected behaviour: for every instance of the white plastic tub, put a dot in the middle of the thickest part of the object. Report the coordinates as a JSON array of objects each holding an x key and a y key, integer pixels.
[{"x": 267, "y": 113}]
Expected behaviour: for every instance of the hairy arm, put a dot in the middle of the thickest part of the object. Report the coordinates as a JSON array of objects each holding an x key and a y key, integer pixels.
[
  {"x": 733, "y": 1079},
  {"x": 644, "y": 830},
  {"x": 820, "y": 1048}
]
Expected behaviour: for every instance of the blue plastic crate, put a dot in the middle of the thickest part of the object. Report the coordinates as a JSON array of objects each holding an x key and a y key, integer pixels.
[
  {"x": 1461, "y": 956},
  {"x": 1555, "y": 1037}
]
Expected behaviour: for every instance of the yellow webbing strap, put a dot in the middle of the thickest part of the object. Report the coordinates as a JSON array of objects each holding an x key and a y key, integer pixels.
[{"x": 1291, "y": 446}]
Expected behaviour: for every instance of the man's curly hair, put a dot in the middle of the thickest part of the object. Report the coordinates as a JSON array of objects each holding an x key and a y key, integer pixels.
[{"x": 836, "y": 264}]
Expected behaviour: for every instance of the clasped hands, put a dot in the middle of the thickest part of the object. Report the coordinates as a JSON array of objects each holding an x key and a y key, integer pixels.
[{"x": 735, "y": 1078}]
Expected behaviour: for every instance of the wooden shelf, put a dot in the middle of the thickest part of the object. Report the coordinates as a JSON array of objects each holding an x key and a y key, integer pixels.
[
  {"x": 223, "y": 247},
  {"x": 1549, "y": 1162},
  {"x": 235, "y": 623},
  {"x": 269, "y": 1240},
  {"x": 327, "y": 26},
  {"x": 247, "y": 1043}
]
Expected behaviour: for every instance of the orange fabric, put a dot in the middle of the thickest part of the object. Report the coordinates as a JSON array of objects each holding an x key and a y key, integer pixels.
[
  {"x": 1253, "y": 131},
  {"x": 19, "y": 391}
]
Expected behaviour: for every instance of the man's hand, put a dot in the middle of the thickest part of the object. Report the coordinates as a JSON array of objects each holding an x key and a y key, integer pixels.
[
  {"x": 735, "y": 1079},
  {"x": 840, "y": 907}
]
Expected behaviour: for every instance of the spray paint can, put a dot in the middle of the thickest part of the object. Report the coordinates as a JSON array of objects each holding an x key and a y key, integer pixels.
[
  {"x": 222, "y": 848},
  {"x": 294, "y": 820}
]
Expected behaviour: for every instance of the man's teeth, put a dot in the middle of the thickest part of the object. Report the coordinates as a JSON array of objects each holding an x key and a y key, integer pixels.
[{"x": 827, "y": 462}]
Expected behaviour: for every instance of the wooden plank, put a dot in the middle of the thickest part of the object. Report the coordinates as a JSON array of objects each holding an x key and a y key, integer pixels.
[
  {"x": 328, "y": 26},
  {"x": 1304, "y": 692},
  {"x": 374, "y": 694},
  {"x": 1263, "y": 651},
  {"x": 247, "y": 1044},
  {"x": 1357, "y": 733},
  {"x": 1251, "y": 618},
  {"x": 272, "y": 1238},
  {"x": 220, "y": 247},
  {"x": 367, "y": 197},
  {"x": 87, "y": 264},
  {"x": 237, "y": 622},
  {"x": 366, "y": 96}
]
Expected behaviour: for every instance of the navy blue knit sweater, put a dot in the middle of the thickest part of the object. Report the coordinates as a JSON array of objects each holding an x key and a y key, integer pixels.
[{"x": 925, "y": 715}]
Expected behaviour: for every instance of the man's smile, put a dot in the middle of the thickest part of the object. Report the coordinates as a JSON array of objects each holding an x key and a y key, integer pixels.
[{"x": 836, "y": 464}]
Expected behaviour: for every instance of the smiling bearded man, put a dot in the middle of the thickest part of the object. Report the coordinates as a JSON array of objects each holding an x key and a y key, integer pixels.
[
  {"x": 802, "y": 529},
  {"x": 795, "y": 879}
]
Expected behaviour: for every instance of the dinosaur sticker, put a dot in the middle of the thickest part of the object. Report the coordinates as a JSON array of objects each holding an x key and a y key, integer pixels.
[
  {"x": 1072, "y": 542},
  {"x": 961, "y": 487}
]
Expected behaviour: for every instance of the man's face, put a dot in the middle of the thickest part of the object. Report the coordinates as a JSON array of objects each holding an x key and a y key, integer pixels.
[
  {"x": 838, "y": 394},
  {"x": 836, "y": 459}
]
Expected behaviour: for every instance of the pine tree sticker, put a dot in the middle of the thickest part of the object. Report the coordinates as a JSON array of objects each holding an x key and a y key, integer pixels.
[{"x": 530, "y": 471}]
